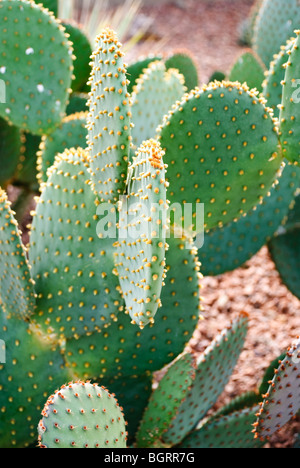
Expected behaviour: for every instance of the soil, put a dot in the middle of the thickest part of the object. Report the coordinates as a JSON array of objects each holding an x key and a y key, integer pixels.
[{"x": 210, "y": 31}]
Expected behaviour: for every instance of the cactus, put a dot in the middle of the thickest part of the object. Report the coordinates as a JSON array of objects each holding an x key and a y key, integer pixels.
[
  {"x": 82, "y": 415},
  {"x": 10, "y": 148},
  {"x": 231, "y": 246},
  {"x": 282, "y": 400},
  {"x": 38, "y": 104},
  {"x": 249, "y": 69},
  {"x": 236, "y": 168},
  {"x": 289, "y": 114},
  {"x": 71, "y": 133},
  {"x": 155, "y": 92},
  {"x": 274, "y": 25},
  {"x": 272, "y": 85},
  {"x": 184, "y": 62},
  {"x": 63, "y": 305}
]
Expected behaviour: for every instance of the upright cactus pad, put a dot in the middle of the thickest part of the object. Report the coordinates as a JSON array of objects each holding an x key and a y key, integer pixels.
[
  {"x": 165, "y": 402},
  {"x": 10, "y": 149},
  {"x": 274, "y": 25},
  {"x": 272, "y": 85},
  {"x": 229, "y": 247},
  {"x": 183, "y": 61},
  {"x": 289, "y": 113},
  {"x": 72, "y": 267},
  {"x": 155, "y": 92},
  {"x": 122, "y": 350},
  {"x": 16, "y": 285},
  {"x": 249, "y": 69},
  {"x": 33, "y": 41},
  {"x": 82, "y": 415},
  {"x": 140, "y": 257},
  {"x": 212, "y": 158},
  {"x": 282, "y": 401},
  {"x": 232, "y": 431},
  {"x": 26, "y": 173},
  {"x": 136, "y": 69},
  {"x": 109, "y": 119},
  {"x": 213, "y": 370},
  {"x": 71, "y": 133}
]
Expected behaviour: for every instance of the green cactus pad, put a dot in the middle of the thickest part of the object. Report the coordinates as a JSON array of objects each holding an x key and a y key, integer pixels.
[
  {"x": 82, "y": 415},
  {"x": 249, "y": 69},
  {"x": 32, "y": 371},
  {"x": 82, "y": 51},
  {"x": 233, "y": 431},
  {"x": 72, "y": 267},
  {"x": 282, "y": 401},
  {"x": 285, "y": 252},
  {"x": 124, "y": 350},
  {"x": 136, "y": 69},
  {"x": 274, "y": 25},
  {"x": 272, "y": 85},
  {"x": 77, "y": 103},
  {"x": 165, "y": 402},
  {"x": 133, "y": 395},
  {"x": 293, "y": 220},
  {"x": 217, "y": 76},
  {"x": 109, "y": 119},
  {"x": 213, "y": 371},
  {"x": 52, "y": 5},
  {"x": 16, "y": 286},
  {"x": 269, "y": 374},
  {"x": 246, "y": 400},
  {"x": 289, "y": 112},
  {"x": 185, "y": 64},
  {"x": 153, "y": 96},
  {"x": 140, "y": 256},
  {"x": 71, "y": 133},
  {"x": 212, "y": 156},
  {"x": 27, "y": 167},
  {"x": 32, "y": 40},
  {"x": 10, "y": 149},
  {"x": 231, "y": 246}
]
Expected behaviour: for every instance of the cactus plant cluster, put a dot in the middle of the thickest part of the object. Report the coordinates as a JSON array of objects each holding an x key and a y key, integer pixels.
[{"x": 107, "y": 292}]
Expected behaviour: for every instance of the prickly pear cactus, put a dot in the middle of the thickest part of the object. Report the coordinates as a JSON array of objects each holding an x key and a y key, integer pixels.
[
  {"x": 229, "y": 247},
  {"x": 71, "y": 133},
  {"x": 249, "y": 69},
  {"x": 82, "y": 415},
  {"x": 140, "y": 257},
  {"x": 109, "y": 119},
  {"x": 35, "y": 42},
  {"x": 289, "y": 112},
  {"x": 213, "y": 158},
  {"x": 274, "y": 25},
  {"x": 10, "y": 149},
  {"x": 282, "y": 401},
  {"x": 183, "y": 61}
]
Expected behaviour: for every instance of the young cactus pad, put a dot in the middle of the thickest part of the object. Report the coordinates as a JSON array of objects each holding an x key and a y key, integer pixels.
[
  {"x": 16, "y": 285},
  {"x": 109, "y": 119},
  {"x": 153, "y": 96},
  {"x": 77, "y": 291},
  {"x": 221, "y": 148},
  {"x": 71, "y": 133},
  {"x": 249, "y": 69},
  {"x": 140, "y": 257},
  {"x": 34, "y": 42},
  {"x": 82, "y": 415}
]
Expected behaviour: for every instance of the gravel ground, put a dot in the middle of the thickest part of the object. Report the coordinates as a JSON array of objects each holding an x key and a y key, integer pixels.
[{"x": 210, "y": 31}]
